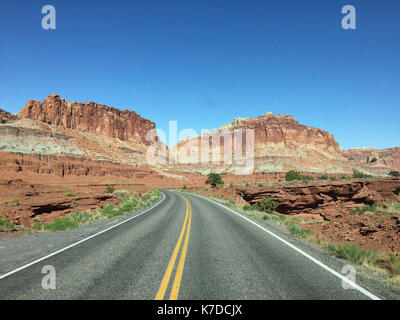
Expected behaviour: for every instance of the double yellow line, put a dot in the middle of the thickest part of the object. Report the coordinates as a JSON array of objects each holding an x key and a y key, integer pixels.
[{"x": 179, "y": 270}]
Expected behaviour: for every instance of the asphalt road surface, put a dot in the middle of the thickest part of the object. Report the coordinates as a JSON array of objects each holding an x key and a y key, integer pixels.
[{"x": 185, "y": 247}]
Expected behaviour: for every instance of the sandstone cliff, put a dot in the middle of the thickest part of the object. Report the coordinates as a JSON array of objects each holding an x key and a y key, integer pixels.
[
  {"x": 280, "y": 144},
  {"x": 91, "y": 117}
]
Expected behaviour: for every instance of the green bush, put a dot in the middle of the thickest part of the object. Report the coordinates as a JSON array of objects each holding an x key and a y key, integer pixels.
[
  {"x": 307, "y": 178},
  {"x": 69, "y": 193},
  {"x": 6, "y": 225},
  {"x": 214, "y": 179},
  {"x": 394, "y": 173},
  {"x": 323, "y": 177},
  {"x": 292, "y": 175},
  {"x": 357, "y": 174},
  {"x": 62, "y": 224},
  {"x": 298, "y": 231},
  {"x": 266, "y": 205},
  {"x": 109, "y": 189},
  {"x": 13, "y": 203}
]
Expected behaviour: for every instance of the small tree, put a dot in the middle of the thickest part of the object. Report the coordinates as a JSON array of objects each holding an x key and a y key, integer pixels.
[
  {"x": 214, "y": 179},
  {"x": 394, "y": 173},
  {"x": 109, "y": 189},
  {"x": 266, "y": 205},
  {"x": 292, "y": 175}
]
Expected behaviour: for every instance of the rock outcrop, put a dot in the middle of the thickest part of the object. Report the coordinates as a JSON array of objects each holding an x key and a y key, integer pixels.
[
  {"x": 6, "y": 117},
  {"x": 325, "y": 200},
  {"x": 125, "y": 125}
]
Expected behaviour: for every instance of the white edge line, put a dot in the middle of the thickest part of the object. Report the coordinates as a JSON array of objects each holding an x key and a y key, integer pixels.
[
  {"x": 76, "y": 243},
  {"x": 322, "y": 265}
]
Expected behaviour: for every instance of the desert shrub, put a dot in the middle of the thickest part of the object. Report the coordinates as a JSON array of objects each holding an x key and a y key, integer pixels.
[
  {"x": 109, "y": 189},
  {"x": 150, "y": 197},
  {"x": 298, "y": 231},
  {"x": 69, "y": 193},
  {"x": 266, "y": 205},
  {"x": 355, "y": 254},
  {"x": 323, "y": 177},
  {"x": 247, "y": 208},
  {"x": 122, "y": 194},
  {"x": 394, "y": 173},
  {"x": 6, "y": 225},
  {"x": 214, "y": 179},
  {"x": 62, "y": 224},
  {"x": 389, "y": 208},
  {"x": 307, "y": 178},
  {"x": 292, "y": 175},
  {"x": 12, "y": 203},
  {"x": 231, "y": 203},
  {"x": 332, "y": 179},
  {"x": 184, "y": 187},
  {"x": 260, "y": 184},
  {"x": 109, "y": 210},
  {"x": 357, "y": 174}
]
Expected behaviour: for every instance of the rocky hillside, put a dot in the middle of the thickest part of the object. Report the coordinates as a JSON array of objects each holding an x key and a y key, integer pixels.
[
  {"x": 377, "y": 160},
  {"x": 6, "y": 116},
  {"x": 280, "y": 144},
  {"x": 125, "y": 125}
]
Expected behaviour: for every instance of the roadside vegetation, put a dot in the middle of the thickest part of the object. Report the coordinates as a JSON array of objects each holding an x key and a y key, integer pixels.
[
  {"x": 389, "y": 208},
  {"x": 129, "y": 201}
]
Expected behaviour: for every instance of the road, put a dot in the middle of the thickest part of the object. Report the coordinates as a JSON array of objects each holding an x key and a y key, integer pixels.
[{"x": 186, "y": 247}]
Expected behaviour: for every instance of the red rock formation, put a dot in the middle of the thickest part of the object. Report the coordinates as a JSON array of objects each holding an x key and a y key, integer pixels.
[
  {"x": 327, "y": 200},
  {"x": 6, "y": 116},
  {"x": 280, "y": 144},
  {"x": 285, "y": 130},
  {"x": 379, "y": 161},
  {"x": 89, "y": 116}
]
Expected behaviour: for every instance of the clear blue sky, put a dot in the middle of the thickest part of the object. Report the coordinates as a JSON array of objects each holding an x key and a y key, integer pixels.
[{"x": 204, "y": 62}]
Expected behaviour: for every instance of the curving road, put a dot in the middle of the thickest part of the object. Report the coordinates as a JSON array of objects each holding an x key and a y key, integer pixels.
[{"x": 185, "y": 247}]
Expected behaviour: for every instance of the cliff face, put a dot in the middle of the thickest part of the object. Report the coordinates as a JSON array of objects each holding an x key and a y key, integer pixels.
[
  {"x": 125, "y": 125},
  {"x": 280, "y": 144},
  {"x": 286, "y": 131}
]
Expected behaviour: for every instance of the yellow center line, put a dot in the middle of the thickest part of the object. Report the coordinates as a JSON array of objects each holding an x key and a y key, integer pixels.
[
  {"x": 170, "y": 267},
  {"x": 179, "y": 270}
]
